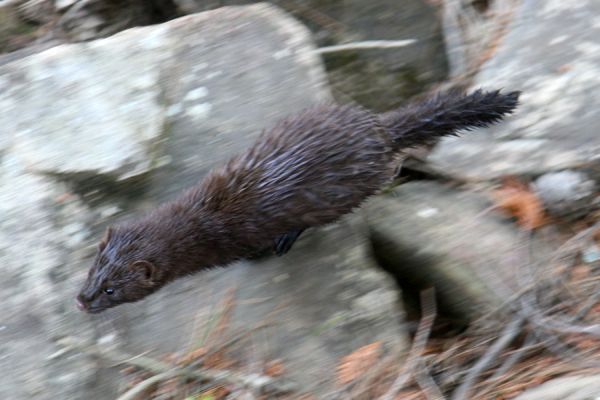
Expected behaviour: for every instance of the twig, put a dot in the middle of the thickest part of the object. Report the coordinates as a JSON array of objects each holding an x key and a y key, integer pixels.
[
  {"x": 514, "y": 357},
  {"x": 507, "y": 336},
  {"x": 146, "y": 384},
  {"x": 587, "y": 306},
  {"x": 260, "y": 383},
  {"x": 418, "y": 346},
  {"x": 564, "y": 327},
  {"x": 365, "y": 45},
  {"x": 130, "y": 360},
  {"x": 563, "y": 352},
  {"x": 427, "y": 384}
]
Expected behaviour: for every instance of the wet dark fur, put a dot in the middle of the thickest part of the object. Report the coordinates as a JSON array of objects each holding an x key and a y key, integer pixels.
[{"x": 308, "y": 170}]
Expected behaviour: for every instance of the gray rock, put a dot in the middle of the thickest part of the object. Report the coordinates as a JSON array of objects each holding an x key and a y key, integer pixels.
[
  {"x": 567, "y": 193},
  {"x": 383, "y": 79},
  {"x": 431, "y": 235},
  {"x": 551, "y": 53},
  {"x": 567, "y": 388},
  {"x": 225, "y": 90},
  {"x": 40, "y": 252},
  {"x": 62, "y": 5},
  {"x": 82, "y": 109}
]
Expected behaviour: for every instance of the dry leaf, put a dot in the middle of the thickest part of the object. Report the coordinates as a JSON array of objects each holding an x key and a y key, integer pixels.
[
  {"x": 129, "y": 370},
  {"x": 170, "y": 358},
  {"x": 192, "y": 356},
  {"x": 519, "y": 201},
  {"x": 580, "y": 272},
  {"x": 306, "y": 397},
  {"x": 274, "y": 368},
  {"x": 586, "y": 344},
  {"x": 226, "y": 312},
  {"x": 410, "y": 394},
  {"x": 219, "y": 360},
  {"x": 356, "y": 363},
  {"x": 564, "y": 68}
]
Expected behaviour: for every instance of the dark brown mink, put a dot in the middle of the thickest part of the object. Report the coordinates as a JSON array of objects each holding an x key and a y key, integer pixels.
[{"x": 308, "y": 170}]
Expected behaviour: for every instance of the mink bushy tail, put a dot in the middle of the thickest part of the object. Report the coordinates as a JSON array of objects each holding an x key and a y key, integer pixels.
[{"x": 447, "y": 113}]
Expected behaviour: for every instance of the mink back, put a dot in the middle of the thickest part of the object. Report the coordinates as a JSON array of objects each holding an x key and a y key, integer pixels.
[{"x": 308, "y": 170}]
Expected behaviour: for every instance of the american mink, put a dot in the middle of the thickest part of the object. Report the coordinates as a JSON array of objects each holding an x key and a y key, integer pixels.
[{"x": 308, "y": 170}]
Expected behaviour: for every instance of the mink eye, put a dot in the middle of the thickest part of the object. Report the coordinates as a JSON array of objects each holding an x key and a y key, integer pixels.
[{"x": 109, "y": 290}]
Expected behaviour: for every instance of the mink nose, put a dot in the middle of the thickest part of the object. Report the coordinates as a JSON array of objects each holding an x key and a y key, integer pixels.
[{"x": 81, "y": 304}]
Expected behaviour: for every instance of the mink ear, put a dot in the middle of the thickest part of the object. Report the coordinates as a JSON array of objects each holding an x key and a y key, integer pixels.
[
  {"x": 105, "y": 239},
  {"x": 145, "y": 268}
]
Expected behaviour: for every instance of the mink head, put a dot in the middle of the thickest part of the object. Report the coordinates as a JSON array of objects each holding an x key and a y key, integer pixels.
[{"x": 124, "y": 271}]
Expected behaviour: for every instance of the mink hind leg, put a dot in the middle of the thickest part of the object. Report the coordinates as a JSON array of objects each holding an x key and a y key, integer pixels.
[
  {"x": 284, "y": 243},
  {"x": 281, "y": 245}
]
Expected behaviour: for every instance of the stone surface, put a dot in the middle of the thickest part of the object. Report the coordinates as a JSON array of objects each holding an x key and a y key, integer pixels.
[
  {"x": 551, "y": 53},
  {"x": 50, "y": 112},
  {"x": 378, "y": 79},
  {"x": 383, "y": 79},
  {"x": 14, "y": 32},
  {"x": 567, "y": 193},
  {"x": 62, "y": 5},
  {"x": 75, "y": 110},
  {"x": 568, "y": 388},
  {"x": 40, "y": 246},
  {"x": 190, "y": 93},
  {"x": 431, "y": 235},
  {"x": 224, "y": 90}
]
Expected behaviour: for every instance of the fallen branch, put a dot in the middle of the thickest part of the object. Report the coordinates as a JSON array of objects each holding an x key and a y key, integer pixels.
[
  {"x": 146, "y": 384},
  {"x": 366, "y": 45},
  {"x": 515, "y": 357},
  {"x": 418, "y": 346},
  {"x": 506, "y": 337},
  {"x": 428, "y": 386}
]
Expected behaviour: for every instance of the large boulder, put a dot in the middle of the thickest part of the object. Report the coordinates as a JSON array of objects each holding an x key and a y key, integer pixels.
[
  {"x": 42, "y": 239},
  {"x": 430, "y": 235},
  {"x": 551, "y": 53},
  {"x": 90, "y": 135},
  {"x": 69, "y": 112}
]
